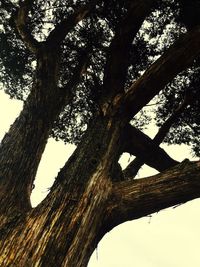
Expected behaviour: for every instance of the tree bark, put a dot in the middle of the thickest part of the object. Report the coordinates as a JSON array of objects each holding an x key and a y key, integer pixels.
[
  {"x": 69, "y": 214},
  {"x": 22, "y": 148},
  {"x": 88, "y": 208},
  {"x": 177, "y": 58},
  {"x": 86, "y": 199},
  {"x": 138, "y": 198},
  {"x": 116, "y": 66}
]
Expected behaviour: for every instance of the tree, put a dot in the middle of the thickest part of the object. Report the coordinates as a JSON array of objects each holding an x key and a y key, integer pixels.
[{"x": 85, "y": 70}]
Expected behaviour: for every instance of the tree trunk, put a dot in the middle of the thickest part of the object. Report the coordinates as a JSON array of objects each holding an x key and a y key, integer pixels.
[
  {"x": 55, "y": 231},
  {"x": 85, "y": 200},
  {"x": 89, "y": 196},
  {"x": 84, "y": 204}
]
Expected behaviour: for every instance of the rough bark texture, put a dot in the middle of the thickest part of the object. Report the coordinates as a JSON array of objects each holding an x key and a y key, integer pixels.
[
  {"x": 176, "y": 185},
  {"x": 89, "y": 196}
]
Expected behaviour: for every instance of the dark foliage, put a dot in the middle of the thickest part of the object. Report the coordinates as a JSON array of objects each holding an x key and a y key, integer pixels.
[{"x": 92, "y": 37}]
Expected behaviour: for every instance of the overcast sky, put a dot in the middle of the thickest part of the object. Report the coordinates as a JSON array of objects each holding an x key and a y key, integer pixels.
[{"x": 170, "y": 238}]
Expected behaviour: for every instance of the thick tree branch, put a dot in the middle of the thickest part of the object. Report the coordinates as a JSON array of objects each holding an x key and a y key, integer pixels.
[
  {"x": 24, "y": 144},
  {"x": 134, "y": 199},
  {"x": 58, "y": 34},
  {"x": 139, "y": 144},
  {"x": 21, "y": 24},
  {"x": 133, "y": 168},
  {"x": 177, "y": 58},
  {"x": 118, "y": 54}
]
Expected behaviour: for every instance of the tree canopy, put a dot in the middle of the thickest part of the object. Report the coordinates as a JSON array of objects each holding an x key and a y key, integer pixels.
[{"x": 91, "y": 43}]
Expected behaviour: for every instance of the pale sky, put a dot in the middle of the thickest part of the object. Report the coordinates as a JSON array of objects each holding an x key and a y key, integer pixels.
[{"x": 170, "y": 238}]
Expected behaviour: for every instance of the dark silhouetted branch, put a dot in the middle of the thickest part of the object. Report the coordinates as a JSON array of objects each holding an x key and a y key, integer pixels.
[
  {"x": 133, "y": 168},
  {"x": 177, "y": 58},
  {"x": 58, "y": 34},
  {"x": 139, "y": 144},
  {"x": 119, "y": 50},
  {"x": 21, "y": 23}
]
